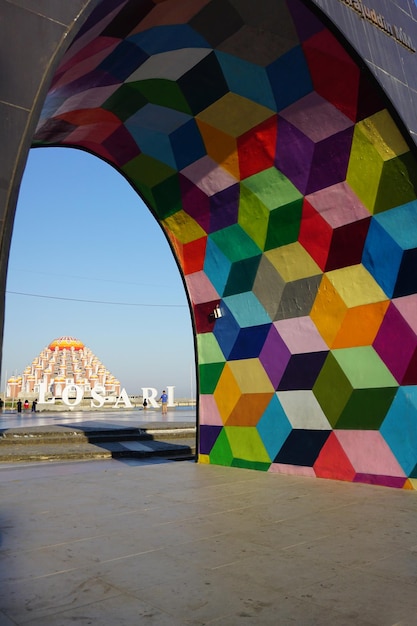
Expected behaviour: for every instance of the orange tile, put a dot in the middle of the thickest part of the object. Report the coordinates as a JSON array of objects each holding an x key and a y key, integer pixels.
[
  {"x": 360, "y": 325},
  {"x": 328, "y": 311}
]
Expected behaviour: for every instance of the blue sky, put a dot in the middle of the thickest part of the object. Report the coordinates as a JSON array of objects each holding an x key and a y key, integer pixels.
[{"x": 82, "y": 236}]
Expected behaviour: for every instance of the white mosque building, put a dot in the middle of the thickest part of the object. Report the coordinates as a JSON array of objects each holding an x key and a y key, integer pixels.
[{"x": 66, "y": 361}]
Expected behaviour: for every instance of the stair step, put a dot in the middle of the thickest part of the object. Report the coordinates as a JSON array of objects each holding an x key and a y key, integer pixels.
[
  {"x": 36, "y": 436},
  {"x": 46, "y": 443}
]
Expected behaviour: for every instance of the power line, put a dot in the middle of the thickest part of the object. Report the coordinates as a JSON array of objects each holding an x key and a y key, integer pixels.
[{"x": 37, "y": 295}]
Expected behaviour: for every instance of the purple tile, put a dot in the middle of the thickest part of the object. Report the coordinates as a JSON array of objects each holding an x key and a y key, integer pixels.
[
  {"x": 306, "y": 24},
  {"x": 330, "y": 161},
  {"x": 207, "y": 438},
  {"x": 224, "y": 208},
  {"x": 302, "y": 371},
  {"x": 274, "y": 356},
  {"x": 121, "y": 146},
  {"x": 395, "y": 343},
  {"x": 195, "y": 203},
  {"x": 294, "y": 155},
  {"x": 383, "y": 481},
  {"x": 96, "y": 78}
]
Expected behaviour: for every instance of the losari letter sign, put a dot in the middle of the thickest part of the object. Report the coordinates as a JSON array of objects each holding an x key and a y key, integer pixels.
[{"x": 98, "y": 396}]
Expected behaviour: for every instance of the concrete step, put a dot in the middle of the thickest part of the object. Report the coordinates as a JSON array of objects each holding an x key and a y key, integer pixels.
[
  {"x": 46, "y": 444},
  {"x": 35, "y": 435}
]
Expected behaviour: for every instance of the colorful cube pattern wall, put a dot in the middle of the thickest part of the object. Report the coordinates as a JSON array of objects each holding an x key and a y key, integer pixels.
[{"x": 288, "y": 195}]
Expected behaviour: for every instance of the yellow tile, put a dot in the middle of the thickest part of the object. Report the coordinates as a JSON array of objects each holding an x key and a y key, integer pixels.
[
  {"x": 381, "y": 130},
  {"x": 235, "y": 115},
  {"x": 293, "y": 262},
  {"x": 250, "y": 376},
  {"x": 365, "y": 169},
  {"x": 183, "y": 227},
  {"x": 356, "y": 286}
]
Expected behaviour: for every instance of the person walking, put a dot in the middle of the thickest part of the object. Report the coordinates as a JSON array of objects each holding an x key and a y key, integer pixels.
[{"x": 164, "y": 400}]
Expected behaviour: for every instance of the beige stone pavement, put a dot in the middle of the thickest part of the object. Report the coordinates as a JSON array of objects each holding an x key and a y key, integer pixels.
[{"x": 114, "y": 543}]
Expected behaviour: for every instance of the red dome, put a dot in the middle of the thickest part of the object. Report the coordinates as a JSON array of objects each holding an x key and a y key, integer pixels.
[{"x": 66, "y": 342}]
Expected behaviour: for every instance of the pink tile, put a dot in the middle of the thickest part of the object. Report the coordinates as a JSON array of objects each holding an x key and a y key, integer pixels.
[
  {"x": 91, "y": 98},
  {"x": 209, "y": 413},
  {"x": 407, "y": 306},
  {"x": 91, "y": 133},
  {"x": 368, "y": 452},
  {"x": 300, "y": 335},
  {"x": 293, "y": 470},
  {"x": 209, "y": 176},
  {"x": 90, "y": 36},
  {"x": 91, "y": 58},
  {"x": 200, "y": 288},
  {"x": 338, "y": 205},
  {"x": 315, "y": 117}
]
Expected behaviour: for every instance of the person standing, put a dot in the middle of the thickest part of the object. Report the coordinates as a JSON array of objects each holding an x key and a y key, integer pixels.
[
  {"x": 164, "y": 400},
  {"x": 19, "y": 406}
]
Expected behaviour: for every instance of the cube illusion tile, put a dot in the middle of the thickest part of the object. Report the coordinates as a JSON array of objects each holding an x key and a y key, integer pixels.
[
  {"x": 390, "y": 252},
  {"x": 288, "y": 195},
  {"x": 381, "y": 169},
  {"x": 365, "y": 387}
]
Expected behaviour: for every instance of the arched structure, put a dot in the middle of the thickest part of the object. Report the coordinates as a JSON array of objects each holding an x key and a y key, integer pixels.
[{"x": 284, "y": 176}]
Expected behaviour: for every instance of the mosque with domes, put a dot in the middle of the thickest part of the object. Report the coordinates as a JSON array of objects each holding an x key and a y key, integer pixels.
[{"x": 66, "y": 361}]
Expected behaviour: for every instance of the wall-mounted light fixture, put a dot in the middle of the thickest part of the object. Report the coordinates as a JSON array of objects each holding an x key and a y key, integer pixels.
[{"x": 216, "y": 313}]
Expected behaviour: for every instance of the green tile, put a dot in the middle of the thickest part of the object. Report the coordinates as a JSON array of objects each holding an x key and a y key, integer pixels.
[
  {"x": 126, "y": 101},
  {"x": 235, "y": 243},
  {"x": 397, "y": 183},
  {"x": 246, "y": 444},
  {"x": 209, "y": 376},
  {"x": 284, "y": 225},
  {"x": 332, "y": 389},
  {"x": 366, "y": 409},
  {"x": 262, "y": 467},
  {"x": 221, "y": 452},
  {"x": 272, "y": 188},
  {"x": 208, "y": 349},
  {"x": 163, "y": 92},
  {"x": 242, "y": 276},
  {"x": 253, "y": 216},
  {"x": 364, "y": 368},
  {"x": 167, "y": 195}
]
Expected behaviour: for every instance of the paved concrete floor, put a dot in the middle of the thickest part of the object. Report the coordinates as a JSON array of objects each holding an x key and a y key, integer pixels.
[
  {"x": 114, "y": 543},
  {"x": 95, "y": 419}
]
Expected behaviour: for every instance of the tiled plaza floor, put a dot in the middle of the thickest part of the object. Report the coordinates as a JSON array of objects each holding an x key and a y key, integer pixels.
[{"x": 114, "y": 543}]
